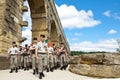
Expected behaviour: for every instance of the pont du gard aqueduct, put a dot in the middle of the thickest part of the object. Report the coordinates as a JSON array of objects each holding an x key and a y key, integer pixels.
[{"x": 45, "y": 20}]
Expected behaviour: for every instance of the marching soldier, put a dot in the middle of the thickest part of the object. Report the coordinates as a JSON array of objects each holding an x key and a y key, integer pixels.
[
  {"x": 42, "y": 55},
  {"x": 19, "y": 60},
  {"x": 29, "y": 58},
  {"x": 63, "y": 56},
  {"x": 13, "y": 54},
  {"x": 54, "y": 56},
  {"x": 32, "y": 51},
  {"x": 26, "y": 57},
  {"x": 22, "y": 57},
  {"x": 51, "y": 51}
]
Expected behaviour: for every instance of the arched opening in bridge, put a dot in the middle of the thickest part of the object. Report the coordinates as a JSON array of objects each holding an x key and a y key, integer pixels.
[
  {"x": 53, "y": 33},
  {"x": 38, "y": 16}
]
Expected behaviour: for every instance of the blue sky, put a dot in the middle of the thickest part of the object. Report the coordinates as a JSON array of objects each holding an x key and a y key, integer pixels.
[{"x": 89, "y": 25}]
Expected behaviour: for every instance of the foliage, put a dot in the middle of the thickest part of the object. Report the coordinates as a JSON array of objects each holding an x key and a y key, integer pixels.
[{"x": 73, "y": 53}]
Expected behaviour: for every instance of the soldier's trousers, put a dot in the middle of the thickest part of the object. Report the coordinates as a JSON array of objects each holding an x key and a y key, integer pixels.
[
  {"x": 33, "y": 61},
  {"x": 22, "y": 60},
  {"x": 19, "y": 63},
  {"x": 26, "y": 61},
  {"x": 42, "y": 61},
  {"x": 55, "y": 60},
  {"x": 13, "y": 61},
  {"x": 51, "y": 61},
  {"x": 62, "y": 60}
]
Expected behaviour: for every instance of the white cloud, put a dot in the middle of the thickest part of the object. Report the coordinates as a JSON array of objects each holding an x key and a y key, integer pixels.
[
  {"x": 72, "y": 18},
  {"x": 27, "y": 33},
  {"x": 112, "y": 31},
  {"x": 78, "y": 34},
  {"x": 103, "y": 45},
  {"x": 117, "y": 17},
  {"x": 107, "y": 13},
  {"x": 75, "y": 39}
]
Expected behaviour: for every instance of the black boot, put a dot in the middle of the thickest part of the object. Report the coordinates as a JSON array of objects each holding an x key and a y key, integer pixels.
[
  {"x": 16, "y": 70},
  {"x": 24, "y": 68},
  {"x": 27, "y": 67},
  {"x": 11, "y": 70},
  {"x": 55, "y": 67},
  {"x": 51, "y": 69},
  {"x": 19, "y": 67},
  {"x": 66, "y": 66},
  {"x": 62, "y": 68},
  {"x": 34, "y": 72},
  {"x": 40, "y": 75},
  {"x": 47, "y": 69}
]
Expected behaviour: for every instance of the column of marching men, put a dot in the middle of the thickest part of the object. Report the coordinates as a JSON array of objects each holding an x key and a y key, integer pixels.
[{"x": 40, "y": 56}]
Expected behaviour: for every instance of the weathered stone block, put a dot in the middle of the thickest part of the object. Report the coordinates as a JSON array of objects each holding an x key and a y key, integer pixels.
[
  {"x": 24, "y": 8},
  {"x": 97, "y": 65},
  {"x": 92, "y": 58},
  {"x": 75, "y": 60},
  {"x": 4, "y": 62},
  {"x": 112, "y": 59},
  {"x": 24, "y": 23}
]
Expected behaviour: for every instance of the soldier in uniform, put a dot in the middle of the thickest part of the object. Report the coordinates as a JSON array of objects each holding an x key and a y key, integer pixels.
[
  {"x": 51, "y": 51},
  {"x": 58, "y": 50},
  {"x": 19, "y": 60},
  {"x": 26, "y": 57},
  {"x": 32, "y": 51},
  {"x": 13, "y": 54},
  {"x": 42, "y": 55},
  {"x": 63, "y": 56},
  {"x": 22, "y": 57},
  {"x": 54, "y": 56}
]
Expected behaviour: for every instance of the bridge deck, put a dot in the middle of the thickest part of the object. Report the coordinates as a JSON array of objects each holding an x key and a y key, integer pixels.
[{"x": 56, "y": 75}]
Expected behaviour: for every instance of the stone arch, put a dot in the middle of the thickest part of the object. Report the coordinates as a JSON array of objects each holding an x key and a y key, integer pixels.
[
  {"x": 38, "y": 17},
  {"x": 37, "y": 6},
  {"x": 54, "y": 33}
]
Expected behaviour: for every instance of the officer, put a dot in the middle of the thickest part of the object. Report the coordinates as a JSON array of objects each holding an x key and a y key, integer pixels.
[
  {"x": 32, "y": 51},
  {"x": 42, "y": 55},
  {"x": 13, "y": 54}
]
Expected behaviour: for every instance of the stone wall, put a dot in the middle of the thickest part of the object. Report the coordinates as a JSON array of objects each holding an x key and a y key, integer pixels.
[
  {"x": 10, "y": 27},
  {"x": 97, "y": 65},
  {"x": 4, "y": 62},
  {"x": 11, "y": 13},
  {"x": 11, "y": 24}
]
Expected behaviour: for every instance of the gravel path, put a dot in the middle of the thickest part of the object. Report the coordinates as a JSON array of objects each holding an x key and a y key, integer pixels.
[{"x": 56, "y": 75}]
